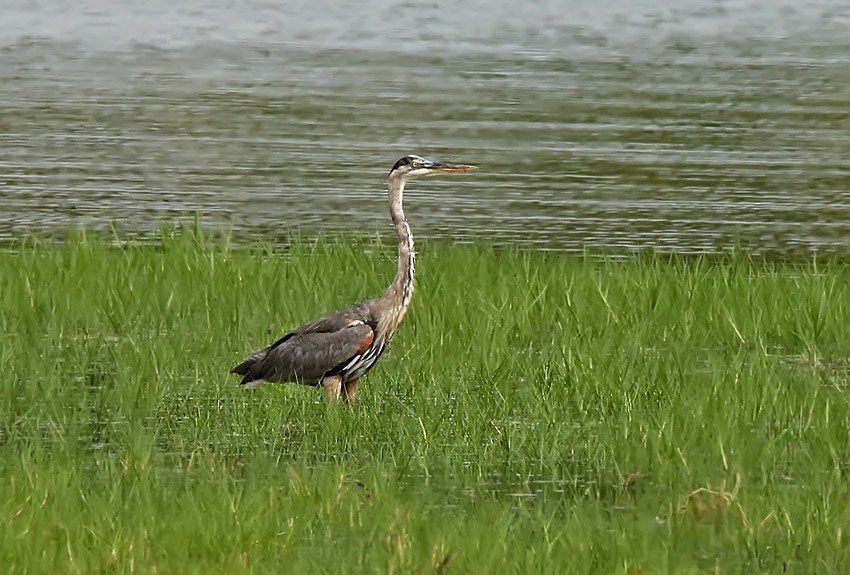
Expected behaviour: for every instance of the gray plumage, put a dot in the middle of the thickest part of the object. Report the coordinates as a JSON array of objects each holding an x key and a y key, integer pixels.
[
  {"x": 336, "y": 350},
  {"x": 311, "y": 352}
]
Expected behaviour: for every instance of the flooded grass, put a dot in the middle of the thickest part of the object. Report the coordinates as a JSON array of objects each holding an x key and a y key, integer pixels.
[{"x": 538, "y": 413}]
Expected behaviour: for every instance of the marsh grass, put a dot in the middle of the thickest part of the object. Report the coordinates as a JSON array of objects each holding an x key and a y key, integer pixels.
[{"x": 538, "y": 413}]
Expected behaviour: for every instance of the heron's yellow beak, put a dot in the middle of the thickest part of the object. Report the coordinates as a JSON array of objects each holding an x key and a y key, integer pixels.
[{"x": 438, "y": 168}]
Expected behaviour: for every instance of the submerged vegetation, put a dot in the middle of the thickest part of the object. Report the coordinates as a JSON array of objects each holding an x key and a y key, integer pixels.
[{"x": 538, "y": 413}]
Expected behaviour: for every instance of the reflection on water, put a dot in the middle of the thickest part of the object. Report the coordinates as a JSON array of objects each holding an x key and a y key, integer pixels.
[{"x": 675, "y": 125}]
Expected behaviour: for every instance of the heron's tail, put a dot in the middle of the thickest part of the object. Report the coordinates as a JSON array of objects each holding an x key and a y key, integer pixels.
[
  {"x": 245, "y": 367},
  {"x": 247, "y": 370}
]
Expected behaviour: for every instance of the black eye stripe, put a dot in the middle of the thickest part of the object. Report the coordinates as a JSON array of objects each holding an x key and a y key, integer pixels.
[{"x": 411, "y": 161}]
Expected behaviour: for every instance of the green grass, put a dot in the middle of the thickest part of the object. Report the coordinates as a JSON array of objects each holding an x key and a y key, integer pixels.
[{"x": 538, "y": 413}]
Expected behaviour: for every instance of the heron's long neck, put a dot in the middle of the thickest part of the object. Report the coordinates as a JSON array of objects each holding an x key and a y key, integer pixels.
[{"x": 401, "y": 290}]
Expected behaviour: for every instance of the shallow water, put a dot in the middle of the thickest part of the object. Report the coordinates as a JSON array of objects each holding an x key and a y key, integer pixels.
[{"x": 683, "y": 126}]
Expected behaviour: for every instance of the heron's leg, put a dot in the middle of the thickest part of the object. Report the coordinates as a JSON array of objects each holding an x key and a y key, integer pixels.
[
  {"x": 349, "y": 390},
  {"x": 333, "y": 387}
]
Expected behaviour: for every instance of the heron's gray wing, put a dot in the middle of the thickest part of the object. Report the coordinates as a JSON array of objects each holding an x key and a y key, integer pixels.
[
  {"x": 250, "y": 368},
  {"x": 307, "y": 356},
  {"x": 333, "y": 322}
]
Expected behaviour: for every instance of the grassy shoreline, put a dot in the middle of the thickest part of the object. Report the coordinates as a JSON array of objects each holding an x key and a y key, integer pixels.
[{"x": 537, "y": 413}]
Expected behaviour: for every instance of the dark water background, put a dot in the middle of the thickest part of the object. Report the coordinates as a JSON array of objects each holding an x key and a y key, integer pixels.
[{"x": 689, "y": 125}]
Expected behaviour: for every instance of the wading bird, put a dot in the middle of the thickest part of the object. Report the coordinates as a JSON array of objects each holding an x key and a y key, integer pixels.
[{"x": 337, "y": 350}]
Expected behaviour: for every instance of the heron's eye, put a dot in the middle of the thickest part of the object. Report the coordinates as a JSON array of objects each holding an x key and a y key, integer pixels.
[{"x": 415, "y": 165}]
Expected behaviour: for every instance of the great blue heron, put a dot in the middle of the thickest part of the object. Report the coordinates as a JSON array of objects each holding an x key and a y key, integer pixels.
[{"x": 337, "y": 350}]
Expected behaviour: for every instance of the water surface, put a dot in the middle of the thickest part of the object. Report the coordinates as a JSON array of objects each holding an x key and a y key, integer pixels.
[{"x": 684, "y": 126}]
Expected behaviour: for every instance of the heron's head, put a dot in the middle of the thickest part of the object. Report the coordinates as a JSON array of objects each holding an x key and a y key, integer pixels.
[{"x": 415, "y": 166}]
